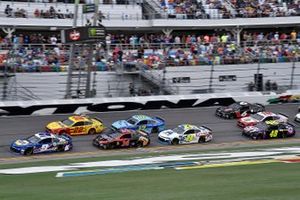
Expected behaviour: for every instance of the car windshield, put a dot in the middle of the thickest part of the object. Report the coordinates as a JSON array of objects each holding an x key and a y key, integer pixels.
[
  {"x": 33, "y": 139},
  {"x": 132, "y": 121},
  {"x": 178, "y": 130},
  {"x": 67, "y": 122},
  {"x": 257, "y": 117},
  {"x": 234, "y": 106}
]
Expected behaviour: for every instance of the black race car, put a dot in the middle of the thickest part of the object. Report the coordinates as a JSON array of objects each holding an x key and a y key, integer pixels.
[
  {"x": 116, "y": 138},
  {"x": 238, "y": 110},
  {"x": 269, "y": 129}
]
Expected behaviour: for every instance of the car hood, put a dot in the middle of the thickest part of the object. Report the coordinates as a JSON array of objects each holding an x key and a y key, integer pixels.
[
  {"x": 298, "y": 115},
  {"x": 55, "y": 125},
  {"x": 167, "y": 133},
  {"x": 122, "y": 124},
  {"x": 21, "y": 143}
]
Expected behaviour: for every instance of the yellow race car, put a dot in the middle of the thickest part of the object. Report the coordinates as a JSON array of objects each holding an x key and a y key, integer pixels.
[{"x": 76, "y": 125}]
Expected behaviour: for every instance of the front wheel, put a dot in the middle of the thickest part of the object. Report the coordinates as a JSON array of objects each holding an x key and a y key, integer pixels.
[
  {"x": 259, "y": 137},
  {"x": 28, "y": 152},
  {"x": 175, "y": 141}
]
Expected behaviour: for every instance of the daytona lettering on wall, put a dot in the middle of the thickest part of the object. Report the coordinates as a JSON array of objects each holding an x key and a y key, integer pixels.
[{"x": 115, "y": 106}]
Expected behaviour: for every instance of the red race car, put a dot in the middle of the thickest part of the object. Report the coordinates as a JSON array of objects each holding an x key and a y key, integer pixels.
[{"x": 122, "y": 138}]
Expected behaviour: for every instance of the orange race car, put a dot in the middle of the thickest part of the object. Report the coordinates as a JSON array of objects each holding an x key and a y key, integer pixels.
[{"x": 76, "y": 125}]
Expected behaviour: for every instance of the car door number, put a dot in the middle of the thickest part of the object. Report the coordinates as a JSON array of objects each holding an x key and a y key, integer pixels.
[
  {"x": 274, "y": 133},
  {"x": 189, "y": 137}
]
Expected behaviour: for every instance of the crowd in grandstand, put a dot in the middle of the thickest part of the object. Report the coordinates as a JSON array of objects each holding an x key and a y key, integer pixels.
[
  {"x": 31, "y": 52},
  {"x": 185, "y": 9},
  {"x": 230, "y": 9}
]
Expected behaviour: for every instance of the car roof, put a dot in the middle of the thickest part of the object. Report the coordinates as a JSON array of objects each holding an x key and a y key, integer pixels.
[
  {"x": 77, "y": 118},
  {"x": 141, "y": 117},
  {"x": 186, "y": 127},
  {"x": 44, "y": 135},
  {"x": 272, "y": 122}
]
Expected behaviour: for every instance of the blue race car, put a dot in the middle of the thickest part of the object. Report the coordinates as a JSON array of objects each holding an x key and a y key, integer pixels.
[
  {"x": 42, "y": 142},
  {"x": 141, "y": 122}
]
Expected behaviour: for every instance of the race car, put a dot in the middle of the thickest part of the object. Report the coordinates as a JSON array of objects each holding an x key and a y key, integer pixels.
[
  {"x": 141, "y": 122},
  {"x": 42, "y": 142},
  {"x": 261, "y": 117},
  {"x": 238, "y": 110},
  {"x": 269, "y": 129},
  {"x": 186, "y": 134},
  {"x": 116, "y": 138},
  {"x": 76, "y": 125}
]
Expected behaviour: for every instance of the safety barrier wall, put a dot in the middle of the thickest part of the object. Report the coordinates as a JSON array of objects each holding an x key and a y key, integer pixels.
[{"x": 141, "y": 103}]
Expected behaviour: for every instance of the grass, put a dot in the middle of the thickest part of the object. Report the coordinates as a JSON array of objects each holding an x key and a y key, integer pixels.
[
  {"x": 273, "y": 181},
  {"x": 66, "y": 161}
]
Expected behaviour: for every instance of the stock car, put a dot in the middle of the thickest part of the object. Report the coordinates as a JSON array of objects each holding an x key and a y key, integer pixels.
[
  {"x": 76, "y": 125},
  {"x": 238, "y": 110},
  {"x": 141, "y": 122},
  {"x": 186, "y": 134},
  {"x": 261, "y": 117},
  {"x": 269, "y": 129},
  {"x": 42, "y": 142},
  {"x": 117, "y": 138}
]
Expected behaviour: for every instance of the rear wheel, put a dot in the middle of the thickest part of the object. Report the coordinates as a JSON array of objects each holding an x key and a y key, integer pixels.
[
  {"x": 259, "y": 137},
  {"x": 175, "y": 141},
  {"x": 154, "y": 130},
  {"x": 28, "y": 152},
  {"x": 201, "y": 140},
  {"x": 60, "y": 148},
  {"x": 92, "y": 131}
]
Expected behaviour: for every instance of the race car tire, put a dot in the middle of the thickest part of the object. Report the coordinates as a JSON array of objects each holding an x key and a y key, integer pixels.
[
  {"x": 201, "y": 140},
  {"x": 60, "y": 148},
  {"x": 28, "y": 152},
  {"x": 175, "y": 141},
  {"x": 92, "y": 131},
  {"x": 259, "y": 137},
  {"x": 154, "y": 130},
  {"x": 139, "y": 144},
  {"x": 283, "y": 135},
  {"x": 106, "y": 146}
]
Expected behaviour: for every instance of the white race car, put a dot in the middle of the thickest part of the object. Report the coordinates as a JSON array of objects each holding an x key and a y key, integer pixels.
[
  {"x": 261, "y": 117},
  {"x": 186, "y": 134}
]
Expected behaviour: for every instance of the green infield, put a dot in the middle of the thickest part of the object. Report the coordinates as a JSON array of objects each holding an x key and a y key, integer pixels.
[{"x": 271, "y": 181}]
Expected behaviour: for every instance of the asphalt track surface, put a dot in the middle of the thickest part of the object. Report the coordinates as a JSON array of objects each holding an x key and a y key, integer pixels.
[{"x": 224, "y": 131}]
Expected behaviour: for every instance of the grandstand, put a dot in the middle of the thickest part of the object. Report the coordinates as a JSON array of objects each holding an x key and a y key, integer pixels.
[{"x": 149, "y": 44}]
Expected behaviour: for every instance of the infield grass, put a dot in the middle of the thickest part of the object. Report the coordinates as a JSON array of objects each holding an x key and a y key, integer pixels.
[{"x": 273, "y": 181}]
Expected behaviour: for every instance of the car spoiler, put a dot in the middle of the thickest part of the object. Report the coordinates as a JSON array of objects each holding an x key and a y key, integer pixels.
[
  {"x": 159, "y": 118},
  {"x": 99, "y": 120},
  {"x": 285, "y": 115},
  {"x": 206, "y": 128},
  {"x": 65, "y": 136},
  {"x": 259, "y": 104}
]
